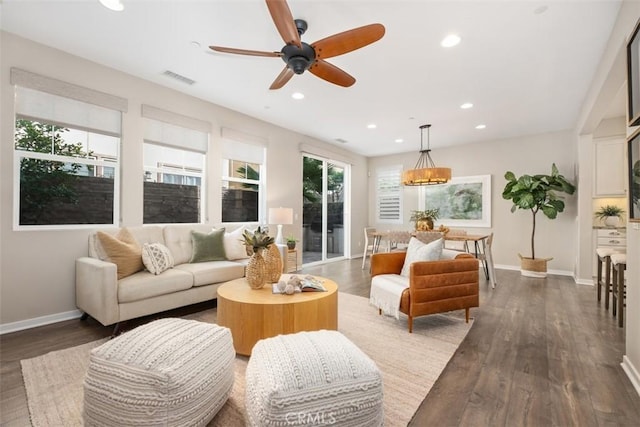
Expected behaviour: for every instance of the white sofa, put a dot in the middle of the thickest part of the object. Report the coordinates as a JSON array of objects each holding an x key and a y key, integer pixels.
[{"x": 102, "y": 296}]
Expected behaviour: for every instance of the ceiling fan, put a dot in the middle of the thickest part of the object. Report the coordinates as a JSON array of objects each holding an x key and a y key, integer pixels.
[{"x": 300, "y": 56}]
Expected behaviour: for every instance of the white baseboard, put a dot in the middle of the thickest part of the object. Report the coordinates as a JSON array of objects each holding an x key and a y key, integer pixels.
[
  {"x": 517, "y": 268},
  {"x": 631, "y": 372},
  {"x": 38, "y": 321}
]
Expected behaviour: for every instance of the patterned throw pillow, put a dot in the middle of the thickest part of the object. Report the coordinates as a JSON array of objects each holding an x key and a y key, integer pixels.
[
  {"x": 208, "y": 247},
  {"x": 418, "y": 251},
  {"x": 156, "y": 257},
  {"x": 123, "y": 250}
]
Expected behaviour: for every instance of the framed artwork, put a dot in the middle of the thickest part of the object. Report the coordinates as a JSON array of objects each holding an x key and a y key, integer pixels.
[
  {"x": 633, "y": 77},
  {"x": 463, "y": 201},
  {"x": 634, "y": 177}
]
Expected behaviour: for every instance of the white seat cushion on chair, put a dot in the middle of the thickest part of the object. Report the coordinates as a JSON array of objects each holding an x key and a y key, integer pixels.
[
  {"x": 618, "y": 258},
  {"x": 606, "y": 251}
]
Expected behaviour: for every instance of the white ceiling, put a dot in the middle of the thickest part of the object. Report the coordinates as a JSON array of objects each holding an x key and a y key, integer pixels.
[{"x": 526, "y": 72}]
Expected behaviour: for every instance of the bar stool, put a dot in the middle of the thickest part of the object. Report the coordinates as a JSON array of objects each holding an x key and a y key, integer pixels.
[
  {"x": 604, "y": 256},
  {"x": 619, "y": 263}
]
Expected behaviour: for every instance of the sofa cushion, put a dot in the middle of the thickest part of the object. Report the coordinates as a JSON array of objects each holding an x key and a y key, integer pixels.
[
  {"x": 208, "y": 246},
  {"x": 122, "y": 250},
  {"x": 144, "y": 285},
  {"x": 156, "y": 257},
  {"x": 205, "y": 273},
  {"x": 418, "y": 251},
  {"x": 142, "y": 234},
  {"x": 234, "y": 246},
  {"x": 177, "y": 237}
]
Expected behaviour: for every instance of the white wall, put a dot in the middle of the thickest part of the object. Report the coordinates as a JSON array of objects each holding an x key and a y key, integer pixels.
[
  {"x": 609, "y": 78},
  {"x": 512, "y": 231},
  {"x": 37, "y": 267}
]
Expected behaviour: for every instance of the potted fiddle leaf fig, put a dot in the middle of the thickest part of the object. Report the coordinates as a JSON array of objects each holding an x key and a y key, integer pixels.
[{"x": 536, "y": 193}]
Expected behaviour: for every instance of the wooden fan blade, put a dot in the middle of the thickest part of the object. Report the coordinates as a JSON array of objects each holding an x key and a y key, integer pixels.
[
  {"x": 282, "y": 78},
  {"x": 331, "y": 73},
  {"x": 348, "y": 41},
  {"x": 282, "y": 17},
  {"x": 245, "y": 51}
]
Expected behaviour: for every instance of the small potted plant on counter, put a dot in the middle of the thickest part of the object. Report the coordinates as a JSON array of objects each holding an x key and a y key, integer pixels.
[
  {"x": 291, "y": 242},
  {"x": 610, "y": 215}
]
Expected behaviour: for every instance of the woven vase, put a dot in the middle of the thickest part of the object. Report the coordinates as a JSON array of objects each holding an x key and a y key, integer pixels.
[
  {"x": 256, "y": 270},
  {"x": 274, "y": 264}
]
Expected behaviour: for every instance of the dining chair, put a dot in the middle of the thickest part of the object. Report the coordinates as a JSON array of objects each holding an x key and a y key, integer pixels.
[
  {"x": 398, "y": 240},
  {"x": 368, "y": 243},
  {"x": 454, "y": 245},
  {"x": 488, "y": 258},
  {"x": 427, "y": 236}
]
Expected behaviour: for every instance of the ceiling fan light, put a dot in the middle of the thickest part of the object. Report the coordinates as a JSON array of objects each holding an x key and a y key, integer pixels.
[{"x": 115, "y": 5}]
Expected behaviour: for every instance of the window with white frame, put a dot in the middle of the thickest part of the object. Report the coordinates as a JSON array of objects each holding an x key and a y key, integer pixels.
[
  {"x": 66, "y": 153},
  {"x": 389, "y": 195},
  {"x": 242, "y": 181},
  {"x": 174, "y": 159}
]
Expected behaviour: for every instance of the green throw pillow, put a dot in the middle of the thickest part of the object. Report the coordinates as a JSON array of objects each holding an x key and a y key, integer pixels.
[{"x": 208, "y": 247}]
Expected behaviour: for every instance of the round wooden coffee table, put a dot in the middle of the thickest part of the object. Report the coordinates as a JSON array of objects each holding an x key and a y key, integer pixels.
[{"x": 256, "y": 314}]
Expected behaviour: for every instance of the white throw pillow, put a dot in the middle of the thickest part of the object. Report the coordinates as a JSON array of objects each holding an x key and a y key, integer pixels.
[
  {"x": 156, "y": 257},
  {"x": 233, "y": 246},
  {"x": 418, "y": 251}
]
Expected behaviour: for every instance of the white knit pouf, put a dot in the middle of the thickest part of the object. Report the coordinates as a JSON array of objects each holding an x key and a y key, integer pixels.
[
  {"x": 170, "y": 372},
  {"x": 312, "y": 378}
]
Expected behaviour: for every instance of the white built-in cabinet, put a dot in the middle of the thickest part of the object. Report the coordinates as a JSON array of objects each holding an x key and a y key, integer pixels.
[{"x": 610, "y": 165}]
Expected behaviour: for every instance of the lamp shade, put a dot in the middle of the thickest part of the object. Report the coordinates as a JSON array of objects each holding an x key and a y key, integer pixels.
[{"x": 280, "y": 216}]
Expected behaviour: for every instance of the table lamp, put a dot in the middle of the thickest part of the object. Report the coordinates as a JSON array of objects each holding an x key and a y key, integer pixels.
[{"x": 280, "y": 216}]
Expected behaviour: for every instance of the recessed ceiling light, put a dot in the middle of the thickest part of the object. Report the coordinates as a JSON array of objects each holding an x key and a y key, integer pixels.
[
  {"x": 297, "y": 95},
  {"x": 399, "y": 141},
  {"x": 466, "y": 105},
  {"x": 371, "y": 126},
  {"x": 481, "y": 126},
  {"x": 450, "y": 41},
  {"x": 115, "y": 5},
  {"x": 195, "y": 44}
]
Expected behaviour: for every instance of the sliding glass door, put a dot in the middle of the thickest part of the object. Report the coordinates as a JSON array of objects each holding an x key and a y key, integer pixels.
[{"x": 323, "y": 215}]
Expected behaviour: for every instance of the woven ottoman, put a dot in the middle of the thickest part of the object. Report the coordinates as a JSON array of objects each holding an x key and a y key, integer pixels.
[
  {"x": 312, "y": 378},
  {"x": 170, "y": 372}
]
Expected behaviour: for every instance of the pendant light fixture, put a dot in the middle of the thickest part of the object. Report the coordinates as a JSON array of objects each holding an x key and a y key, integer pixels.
[{"x": 425, "y": 172}]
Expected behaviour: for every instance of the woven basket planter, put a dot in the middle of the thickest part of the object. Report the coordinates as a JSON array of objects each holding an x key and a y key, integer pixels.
[
  {"x": 273, "y": 262},
  {"x": 533, "y": 267},
  {"x": 256, "y": 271}
]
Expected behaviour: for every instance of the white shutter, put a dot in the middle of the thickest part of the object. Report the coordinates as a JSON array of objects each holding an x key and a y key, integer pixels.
[{"x": 389, "y": 195}]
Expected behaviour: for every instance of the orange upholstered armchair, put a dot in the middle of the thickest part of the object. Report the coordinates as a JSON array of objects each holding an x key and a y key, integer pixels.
[{"x": 433, "y": 286}]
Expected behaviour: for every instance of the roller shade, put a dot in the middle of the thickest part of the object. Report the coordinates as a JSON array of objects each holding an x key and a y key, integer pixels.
[
  {"x": 175, "y": 130},
  {"x": 243, "y": 147}
]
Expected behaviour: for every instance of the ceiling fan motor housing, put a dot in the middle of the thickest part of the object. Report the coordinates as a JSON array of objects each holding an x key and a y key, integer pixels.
[{"x": 299, "y": 60}]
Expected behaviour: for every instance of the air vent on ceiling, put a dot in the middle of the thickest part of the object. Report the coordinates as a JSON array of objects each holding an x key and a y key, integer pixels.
[
  {"x": 341, "y": 141},
  {"x": 179, "y": 77}
]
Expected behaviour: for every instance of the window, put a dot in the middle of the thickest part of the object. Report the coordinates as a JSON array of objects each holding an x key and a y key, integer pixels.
[
  {"x": 174, "y": 157},
  {"x": 242, "y": 180},
  {"x": 240, "y": 191},
  {"x": 66, "y": 153},
  {"x": 389, "y": 195},
  {"x": 172, "y": 184}
]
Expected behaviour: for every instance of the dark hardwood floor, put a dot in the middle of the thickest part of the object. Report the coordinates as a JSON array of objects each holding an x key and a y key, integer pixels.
[{"x": 540, "y": 353}]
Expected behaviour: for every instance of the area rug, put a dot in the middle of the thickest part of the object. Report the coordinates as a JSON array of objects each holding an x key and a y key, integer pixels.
[{"x": 410, "y": 364}]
